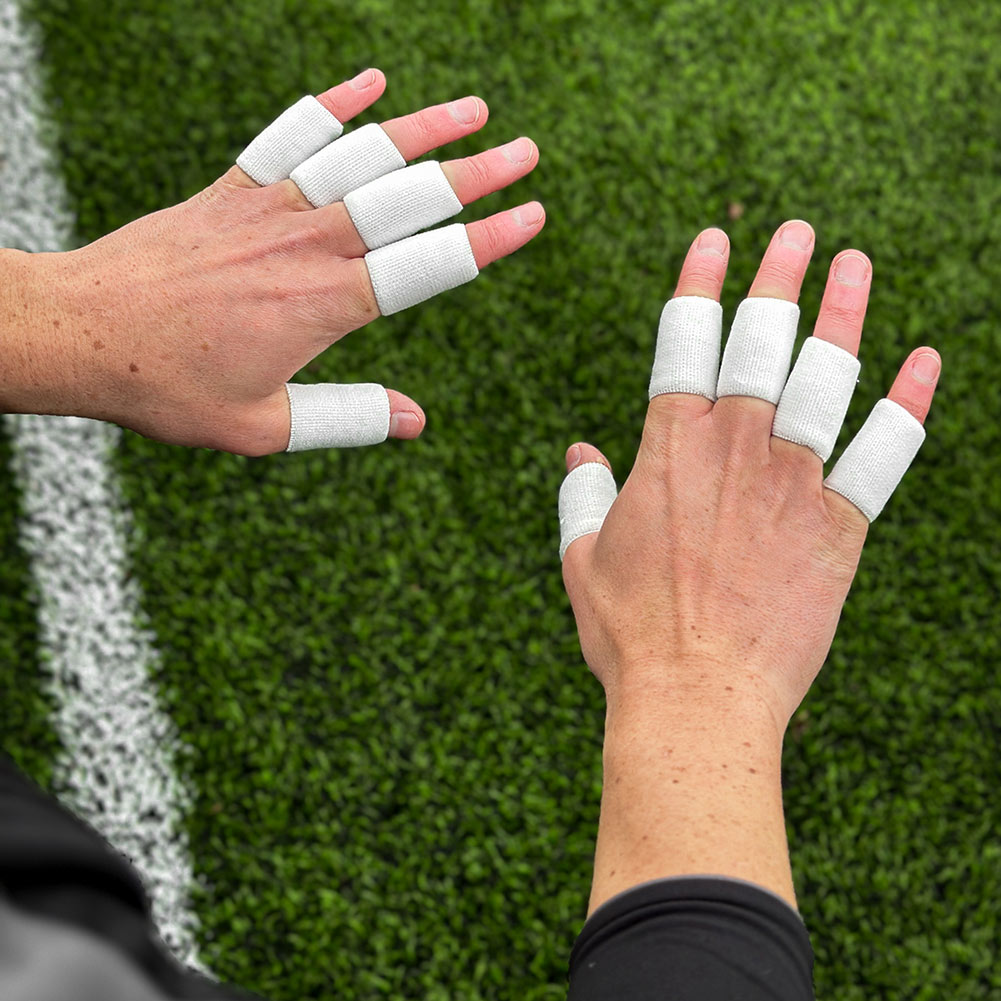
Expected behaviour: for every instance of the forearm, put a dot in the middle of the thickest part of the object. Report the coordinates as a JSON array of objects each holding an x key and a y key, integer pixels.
[{"x": 690, "y": 787}]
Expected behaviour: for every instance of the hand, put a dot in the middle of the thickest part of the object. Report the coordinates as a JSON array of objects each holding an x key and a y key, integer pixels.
[
  {"x": 185, "y": 324},
  {"x": 722, "y": 566}
]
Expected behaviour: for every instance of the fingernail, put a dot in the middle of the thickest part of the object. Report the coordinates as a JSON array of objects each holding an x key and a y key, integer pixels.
[
  {"x": 796, "y": 234},
  {"x": 712, "y": 241},
  {"x": 574, "y": 457},
  {"x": 528, "y": 215},
  {"x": 925, "y": 368},
  {"x": 465, "y": 111},
  {"x": 404, "y": 424},
  {"x": 364, "y": 79},
  {"x": 851, "y": 270},
  {"x": 518, "y": 151}
]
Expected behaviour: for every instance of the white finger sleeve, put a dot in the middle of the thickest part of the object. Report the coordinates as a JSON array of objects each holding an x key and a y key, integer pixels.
[
  {"x": 412, "y": 270},
  {"x": 877, "y": 457},
  {"x": 295, "y": 135},
  {"x": 816, "y": 397},
  {"x": 355, "y": 159},
  {"x": 402, "y": 203},
  {"x": 687, "y": 356},
  {"x": 586, "y": 494},
  {"x": 333, "y": 415},
  {"x": 758, "y": 351}
]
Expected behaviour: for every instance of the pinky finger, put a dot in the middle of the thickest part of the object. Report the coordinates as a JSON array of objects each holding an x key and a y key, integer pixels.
[
  {"x": 504, "y": 233},
  {"x": 914, "y": 386}
]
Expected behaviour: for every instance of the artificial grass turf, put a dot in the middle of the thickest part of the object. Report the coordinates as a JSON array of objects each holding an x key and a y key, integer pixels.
[{"x": 396, "y": 742}]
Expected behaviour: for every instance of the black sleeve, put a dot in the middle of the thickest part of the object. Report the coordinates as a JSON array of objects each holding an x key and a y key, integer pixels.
[{"x": 693, "y": 938}]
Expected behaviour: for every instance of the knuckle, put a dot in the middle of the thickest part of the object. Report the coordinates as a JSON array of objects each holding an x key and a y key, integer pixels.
[
  {"x": 423, "y": 132},
  {"x": 848, "y": 521},
  {"x": 840, "y": 316},
  {"x": 475, "y": 173},
  {"x": 779, "y": 272},
  {"x": 492, "y": 240},
  {"x": 700, "y": 271},
  {"x": 358, "y": 295}
]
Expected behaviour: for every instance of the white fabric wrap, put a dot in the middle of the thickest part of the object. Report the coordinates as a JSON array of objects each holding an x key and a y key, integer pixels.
[
  {"x": 758, "y": 351},
  {"x": 687, "y": 356},
  {"x": 412, "y": 270},
  {"x": 402, "y": 203},
  {"x": 877, "y": 457},
  {"x": 586, "y": 495},
  {"x": 355, "y": 159},
  {"x": 334, "y": 415},
  {"x": 816, "y": 397},
  {"x": 295, "y": 135}
]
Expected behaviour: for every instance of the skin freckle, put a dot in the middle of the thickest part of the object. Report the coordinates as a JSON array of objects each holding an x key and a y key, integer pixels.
[
  {"x": 747, "y": 743},
  {"x": 753, "y": 770},
  {"x": 133, "y": 367},
  {"x": 729, "y": 688},
  {"x": 675, "y": 781},
  {"x": 55, "y": 323},
  {"x": 98, "y": 345},
  {"x": 205, "y": 347},
  {"x": 97, "y": 282}
]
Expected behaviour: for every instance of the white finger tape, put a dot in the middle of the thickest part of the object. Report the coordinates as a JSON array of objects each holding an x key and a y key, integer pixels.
[
  {"x": 402, "y": 203},
  {"x": 412, "y": 270},
  {"x": 687, "y": 356},
  {"x": 816, "y": 397},
  {"x": 877, "y": 457},
  {"x": 586, "y": 495},
  {"x": 295, "y": 135},
  {"x": 758, "y": 351},
  {"x": 355, "y": 159},
  {"x": 335, "y": 415}
]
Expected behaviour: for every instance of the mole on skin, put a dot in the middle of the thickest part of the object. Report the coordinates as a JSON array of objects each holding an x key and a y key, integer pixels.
[{"x": 133, "y": 367}]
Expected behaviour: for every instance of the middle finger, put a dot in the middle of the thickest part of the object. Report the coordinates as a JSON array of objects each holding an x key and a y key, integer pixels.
[{"x": 470, "y": 178}]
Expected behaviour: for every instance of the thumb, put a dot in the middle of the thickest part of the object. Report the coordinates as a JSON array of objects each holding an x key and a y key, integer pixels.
[
  {"x": 587, "y": 493},
  {"x": 346, "y": 415}
]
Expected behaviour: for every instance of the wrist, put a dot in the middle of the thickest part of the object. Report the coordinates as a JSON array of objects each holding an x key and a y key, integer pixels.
[
  {"x": 720, "y": 699},
  {"x": 43, "y": 369}
]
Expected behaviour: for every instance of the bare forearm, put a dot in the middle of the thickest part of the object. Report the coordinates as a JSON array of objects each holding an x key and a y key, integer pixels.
[{"x": 690, "y": 789}]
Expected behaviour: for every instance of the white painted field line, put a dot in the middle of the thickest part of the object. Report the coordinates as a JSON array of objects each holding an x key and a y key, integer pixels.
[{"x": 117, "y": 770}]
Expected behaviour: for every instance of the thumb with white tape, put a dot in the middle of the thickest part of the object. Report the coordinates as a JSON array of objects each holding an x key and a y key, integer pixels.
[
  {"x": 344, "y": 415},
  {"x": 586, "y": 495}
]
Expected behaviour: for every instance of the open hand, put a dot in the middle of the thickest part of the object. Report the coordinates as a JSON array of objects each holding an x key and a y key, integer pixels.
[
  {"x": 719, "y": 573},
  {"x": 185, "y": 324}
]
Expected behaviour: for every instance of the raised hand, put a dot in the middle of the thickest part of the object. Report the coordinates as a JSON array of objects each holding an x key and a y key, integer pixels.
[
  {"x": 716, "y": 577},
  {"x": 186, "y": 324}
]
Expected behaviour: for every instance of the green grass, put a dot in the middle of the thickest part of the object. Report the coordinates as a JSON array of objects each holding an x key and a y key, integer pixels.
[{"x": 397, "y": 743}]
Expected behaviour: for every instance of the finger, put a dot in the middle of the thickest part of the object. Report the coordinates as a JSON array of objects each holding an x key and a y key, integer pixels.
[
  {"x": 470, "y": 178},
  {"x": 784, "y": 264},
  {"x": 842, "y": 310},
  {"x": 581, "y": 452},
  {"x": 704, "y": 269},
  {"x": 839, "y": 322},
  {"x": 343, "y": 101},
  {"x": 482, "y": 174},
  {"x": 353, "y": 96},
  {"x": 915, "y": 384},
  {"x": 876, "y": 459},
  {"x": 504, "y": 233},
  {"x": 586, "y": 496},
  {"x": 419, "y": 133},
  {"x": 489, "y": 240},
  {"x": 406, "y": 418}
]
